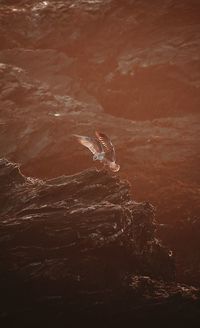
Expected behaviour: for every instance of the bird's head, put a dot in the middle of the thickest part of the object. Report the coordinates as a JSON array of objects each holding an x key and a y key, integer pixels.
[{"x": 114, "y": 167}]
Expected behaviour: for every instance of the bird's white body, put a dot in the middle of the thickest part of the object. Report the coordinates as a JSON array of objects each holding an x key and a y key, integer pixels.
[{"x": 99, "y": 156}]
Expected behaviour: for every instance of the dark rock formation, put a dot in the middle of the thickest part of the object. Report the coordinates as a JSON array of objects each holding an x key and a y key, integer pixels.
[{"x": 79, "y": 244}]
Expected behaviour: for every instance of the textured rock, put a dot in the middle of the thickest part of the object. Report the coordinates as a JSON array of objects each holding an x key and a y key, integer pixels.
[
  {"x": 80, "y": 242},
  {"x": 77, "y": 214}
]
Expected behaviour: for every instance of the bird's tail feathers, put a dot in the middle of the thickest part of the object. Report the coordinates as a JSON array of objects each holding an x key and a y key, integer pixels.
[{"x": 76, "y": 135}]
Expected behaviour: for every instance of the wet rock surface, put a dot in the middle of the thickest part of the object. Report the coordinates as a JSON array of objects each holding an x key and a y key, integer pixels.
[{"x": 80, "y": 244}]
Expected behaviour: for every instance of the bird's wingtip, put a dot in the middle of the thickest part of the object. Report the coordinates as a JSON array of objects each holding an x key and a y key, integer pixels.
[{"x": 75, "y": 135}]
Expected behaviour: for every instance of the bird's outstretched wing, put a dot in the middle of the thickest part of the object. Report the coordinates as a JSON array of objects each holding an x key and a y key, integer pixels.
[
  {"x": 107, "y": 145},
  {"x": 91, "y": 143}
]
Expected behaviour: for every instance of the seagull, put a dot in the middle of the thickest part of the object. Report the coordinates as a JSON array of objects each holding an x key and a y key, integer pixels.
[{"x": 102, "y": 149}]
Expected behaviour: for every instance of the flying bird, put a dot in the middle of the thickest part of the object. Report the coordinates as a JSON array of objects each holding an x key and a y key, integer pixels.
[{"x": 102, "y": 149}]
